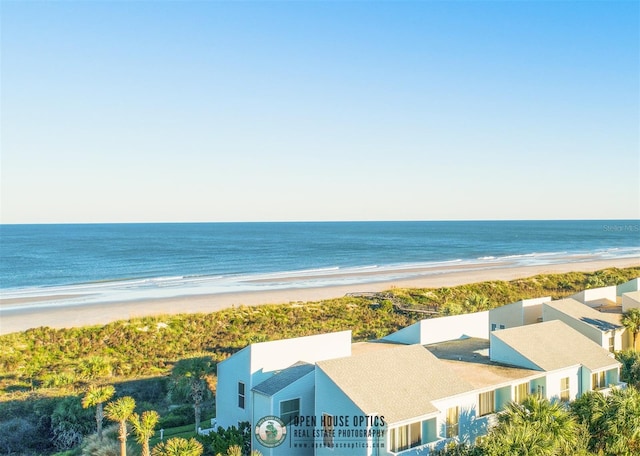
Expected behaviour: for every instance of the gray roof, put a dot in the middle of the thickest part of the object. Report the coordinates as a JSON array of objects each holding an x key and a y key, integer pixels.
[
  {"x": 398, "y": 383},
  {"x": 282, "y": 379},
  {"x": 554, "y": 345},
  {"x": 469, "y": 358},
  {"x": 582, "y": 312}
]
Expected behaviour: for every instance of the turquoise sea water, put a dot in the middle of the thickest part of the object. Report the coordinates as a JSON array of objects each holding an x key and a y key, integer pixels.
[{"x": 131, "y": 261}]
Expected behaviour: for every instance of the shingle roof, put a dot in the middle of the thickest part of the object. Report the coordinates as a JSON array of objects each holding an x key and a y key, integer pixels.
[
  {"x": 282, "y": 379},
  {"x": 398, "y": 383},
  {"x": 554, "y": 345},
  {"x": 582, "y": 312}
]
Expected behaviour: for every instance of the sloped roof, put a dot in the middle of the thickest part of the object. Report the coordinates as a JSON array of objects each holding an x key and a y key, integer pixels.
[
  {"x": 398, "y": 383},
  {"x": 635, "y": 295},
  {"x": 582, "y": 312},
  {"x": 282, "y": 379},
  {"x": 554, "y": 345},
  {"x": 469, "y": 358}
]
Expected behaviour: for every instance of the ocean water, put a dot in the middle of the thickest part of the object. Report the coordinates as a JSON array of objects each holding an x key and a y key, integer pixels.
[{"x": 102, "y": 262}]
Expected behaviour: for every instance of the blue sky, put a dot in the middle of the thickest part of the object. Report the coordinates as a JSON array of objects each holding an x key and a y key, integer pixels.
[{"x": 251, "y": 111}]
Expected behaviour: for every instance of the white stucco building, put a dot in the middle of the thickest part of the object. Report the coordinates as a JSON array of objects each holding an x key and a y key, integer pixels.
[{"x": 436, "y": 381}]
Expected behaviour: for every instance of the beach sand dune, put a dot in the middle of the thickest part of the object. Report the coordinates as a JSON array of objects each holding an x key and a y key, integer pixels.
[{"x": 30, "y": 315}]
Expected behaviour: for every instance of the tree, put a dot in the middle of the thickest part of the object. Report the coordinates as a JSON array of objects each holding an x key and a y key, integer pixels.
[
  {"x": 144, "y": 427},
  {"x": 613, "y": 421},
  {"x": 535, "y": 427},
  {"x": 220, "y": 441},
  {"x": 631, "y": 321},
  {"x": 69, "y": 423},
  {"x": 477, "y": 302},
  {"x": 108, "y": 446},
  {"x": 178, "y": 446},
  {"x": 120, "y": 411},
  {"x": 630, "y": 371},
  {"x": 95, "y": 397},
  {"x": 234, "y": 450},
  {"x": 193, "y": 371}
]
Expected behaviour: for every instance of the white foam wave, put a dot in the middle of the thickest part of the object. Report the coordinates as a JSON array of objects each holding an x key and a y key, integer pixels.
[{"x": 181, "y": 285}]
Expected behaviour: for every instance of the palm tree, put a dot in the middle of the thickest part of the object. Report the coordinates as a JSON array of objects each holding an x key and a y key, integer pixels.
[
  {"x": 95, "y": 397},
  {"x": 536, "y": 427},
  {"x": 94, "y": 367},
  {"x": 194, "y": 371},
  {"x": 613, "y": 421},
  {"x": 178, "y": 446},
  {"x": 622, "y": 422},
  {"x": 120, "y": 411},
  {"x": 234, "y": 450},
  {"x": 631, "y": 321},
  {"x": 144, "y": 427},
  {"x": 477, "y": 302}
]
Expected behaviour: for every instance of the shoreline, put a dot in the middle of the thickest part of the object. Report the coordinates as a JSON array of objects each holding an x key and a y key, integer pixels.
[{"x": 88, "y": 314}]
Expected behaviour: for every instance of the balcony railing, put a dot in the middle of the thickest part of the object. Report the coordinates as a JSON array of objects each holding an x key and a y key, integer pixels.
[
  {"x": 606, "y": 391},
  {"x": 420, "y": 450}
]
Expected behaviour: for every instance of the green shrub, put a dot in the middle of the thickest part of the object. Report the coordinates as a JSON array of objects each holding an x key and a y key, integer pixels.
[
  {"x": 180, "y": 416},
  {"x": 69, "y": 422}
]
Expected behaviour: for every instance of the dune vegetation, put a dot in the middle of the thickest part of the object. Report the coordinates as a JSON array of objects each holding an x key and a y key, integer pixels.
[{"x": 44, "y": 370}]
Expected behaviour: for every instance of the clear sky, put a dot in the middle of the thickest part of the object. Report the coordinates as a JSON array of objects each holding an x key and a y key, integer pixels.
[{"x": 256, "y": 111}]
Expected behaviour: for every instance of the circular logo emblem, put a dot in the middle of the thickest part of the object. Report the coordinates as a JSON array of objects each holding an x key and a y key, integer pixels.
[{"x": 270, "y": 431}]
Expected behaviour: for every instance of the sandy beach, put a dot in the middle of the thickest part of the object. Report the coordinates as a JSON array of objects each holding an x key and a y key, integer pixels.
[{"x": 30, "y": 315}]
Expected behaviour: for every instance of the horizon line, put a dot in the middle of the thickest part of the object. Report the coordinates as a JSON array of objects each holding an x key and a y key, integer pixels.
[{"x": 324, "y": 221}]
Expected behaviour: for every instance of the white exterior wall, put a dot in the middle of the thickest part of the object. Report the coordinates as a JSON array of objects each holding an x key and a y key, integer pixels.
[
  {"x": 470, "y": 425},
  {"x": 628, "y": 287},
  {"x": 533, "y": 309},
  {"x": 279, "y": 354},
  {"x": 552, "y": 390},
  {"x": 585, "y": 380},
  {"x": 630, "y": 301},
  {"x": 621, "y": 339},
  {"x": 231, "y": 371},
  {"x": 442, "y": 329},
  {"x": 331, "y": 400},
  {"x": 255, "y": 363},
  {"x": 509, "y": 316},
  {"x": 454, "y": 327},
  {"x": 602, "y": 339},
  {"x": 595, "y": 297},
  {"x": 503, "y": 353},
  {"x": 409, "y": 335},
  {"x": 302, "y": 389},
  {"x": 519, "y": 313}
]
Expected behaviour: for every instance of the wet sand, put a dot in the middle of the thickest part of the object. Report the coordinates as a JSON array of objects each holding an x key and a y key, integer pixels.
[{"x": 30, "y": 315}]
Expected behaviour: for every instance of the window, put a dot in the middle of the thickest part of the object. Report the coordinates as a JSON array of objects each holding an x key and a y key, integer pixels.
[
  {"x": 451, "y": 424},
  {"x": 405, "y": 437},
  {"x": 289, "y": 410},
  {"x": 501, "y": 326},
  {"x": 612, "y": 343},
  {"x": 486, "y": 403},
  {"x": 241, "y": 395},
  {"x": 520, "y": 392},
  {"x": 598, "y": 380},
  {"x": 327, "y": 430},
  {"x": 493, "y": 326},
  {"x": 540, "y": 390},
  {"x": 565, "y": 389}
]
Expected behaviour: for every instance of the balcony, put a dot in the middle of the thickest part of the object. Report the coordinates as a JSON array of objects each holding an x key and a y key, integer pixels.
[
  {"x": 606, "y": 391},
  {"x": 423, "y": 449}
]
